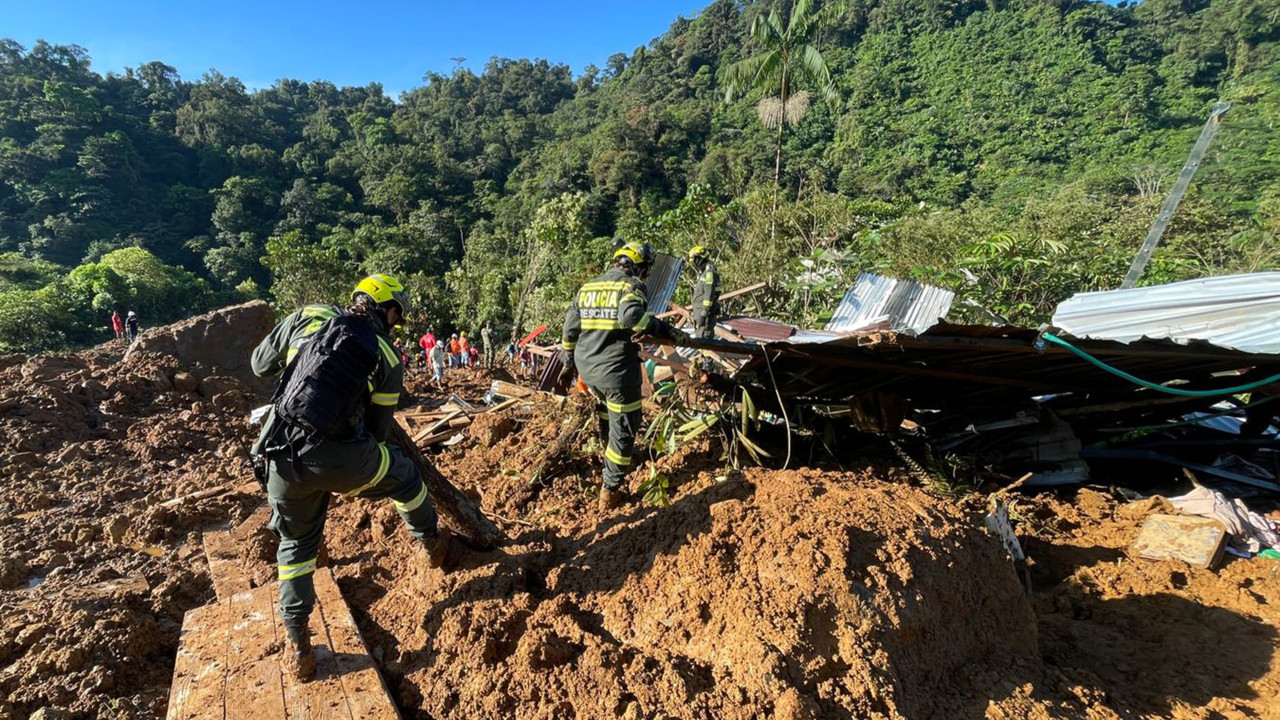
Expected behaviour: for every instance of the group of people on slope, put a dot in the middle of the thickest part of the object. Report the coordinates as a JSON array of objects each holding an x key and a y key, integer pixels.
[
  {"x": 456, "y": 351},
  {"x": 125, "y": 326}
]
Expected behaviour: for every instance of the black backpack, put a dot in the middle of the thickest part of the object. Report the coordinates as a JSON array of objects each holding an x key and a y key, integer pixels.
[{"x": 327, "y": 383}]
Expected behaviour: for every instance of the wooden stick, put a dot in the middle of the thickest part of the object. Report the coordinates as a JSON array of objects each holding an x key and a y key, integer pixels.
[
  {"x": 436, "y": 427},
  {"x": 743, "y": 291},
  {"x": 501, "y": 406},
  {"x": 456, "y": 511}
]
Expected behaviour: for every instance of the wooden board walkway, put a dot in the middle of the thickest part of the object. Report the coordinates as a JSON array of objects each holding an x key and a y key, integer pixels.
[{"x": 228, "y": 664}]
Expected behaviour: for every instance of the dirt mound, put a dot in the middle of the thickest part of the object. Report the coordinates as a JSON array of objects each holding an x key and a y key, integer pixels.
[
  {"x": 791, "y": 594},
  {"x": 221, "y": 340},
  {"x": 1160, "y": 639},
  {"x": 97, "y": 569}
]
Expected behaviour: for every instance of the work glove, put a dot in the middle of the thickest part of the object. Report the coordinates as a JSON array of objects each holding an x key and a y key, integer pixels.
[
  {"x": 664, "y": 330},
  {"x": 568, "y": 372}
]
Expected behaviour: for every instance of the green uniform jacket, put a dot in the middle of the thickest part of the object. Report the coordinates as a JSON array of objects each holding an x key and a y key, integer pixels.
[
  {"x": 706, "y": 290},
  {"x": 279, "y": 348},
  {"x": 599, "y": 329}
]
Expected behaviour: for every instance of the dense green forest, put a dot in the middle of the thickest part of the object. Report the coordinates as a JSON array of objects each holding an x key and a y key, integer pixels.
[{"x": 1015, "y": 150}]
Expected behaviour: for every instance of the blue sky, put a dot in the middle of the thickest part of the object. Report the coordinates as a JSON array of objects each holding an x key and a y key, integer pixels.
[{"x": 349, "y": 43}]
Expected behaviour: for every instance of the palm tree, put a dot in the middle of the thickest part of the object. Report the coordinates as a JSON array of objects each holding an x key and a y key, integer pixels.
[{"x": 789, "y": 60}]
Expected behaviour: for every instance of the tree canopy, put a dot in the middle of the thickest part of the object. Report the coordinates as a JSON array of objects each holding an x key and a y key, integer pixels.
[{"x": 1015, "y": 150}]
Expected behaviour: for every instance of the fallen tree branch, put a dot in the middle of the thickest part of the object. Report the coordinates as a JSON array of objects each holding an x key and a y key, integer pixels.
[{"x": 456, "y": 510}]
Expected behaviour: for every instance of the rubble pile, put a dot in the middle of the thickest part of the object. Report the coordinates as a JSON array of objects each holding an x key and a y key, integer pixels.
[{"x": 109, "y": 469}]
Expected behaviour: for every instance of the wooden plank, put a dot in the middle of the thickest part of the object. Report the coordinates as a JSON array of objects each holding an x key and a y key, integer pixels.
[
  {"x": 511, "y": 390},
  {"x": 501, "y": 406},
  {"x": 743, "y": 291},
  {"x": 322, "y": 698},
  {"x": 224, "y": 564},
  {"x": 434, "y": 428},
  {"x": 367, "y": 693},
  {"x": 229, "y": 663},
  {"x": 254, "y": 684},
  {"x": 198, "y": 691}
]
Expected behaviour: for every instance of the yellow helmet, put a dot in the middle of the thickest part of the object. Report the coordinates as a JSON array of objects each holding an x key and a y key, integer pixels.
[
  {"x": 697, "y": 251},
  {"x": 383, "y": 289},
  {"x": 637, "y": 252}
]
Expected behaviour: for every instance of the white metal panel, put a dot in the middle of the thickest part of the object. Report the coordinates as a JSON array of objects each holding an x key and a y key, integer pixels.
[{"x": 1232, "y": 311}]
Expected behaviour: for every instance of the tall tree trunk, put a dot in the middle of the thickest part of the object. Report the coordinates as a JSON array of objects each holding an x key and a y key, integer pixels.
[{"x": 777, "y": 156}]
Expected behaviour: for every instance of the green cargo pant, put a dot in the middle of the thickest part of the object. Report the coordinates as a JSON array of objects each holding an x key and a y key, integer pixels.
[
  {"x": 363, "y": 468},
  {"x": 619, "y": 412},
  {"x": 704, "y": 322}
]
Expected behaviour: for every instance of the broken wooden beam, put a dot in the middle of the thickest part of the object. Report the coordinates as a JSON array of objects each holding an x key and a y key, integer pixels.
[
  {"x": 224, "y": 564},
  {"x": 435, "y": 427},
  {"x": 743, "y": 291}
]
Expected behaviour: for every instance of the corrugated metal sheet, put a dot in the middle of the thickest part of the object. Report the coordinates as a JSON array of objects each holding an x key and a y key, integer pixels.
[
  {"x": 1232, "y": 311},
  {"x": 662, "y": 281},
  {"x": 902, "y": 305},
  {"x": 758, "y": 329}
]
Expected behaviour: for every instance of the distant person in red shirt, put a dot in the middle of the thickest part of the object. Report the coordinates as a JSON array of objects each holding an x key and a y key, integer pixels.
[{"x": 117, "y": 324}]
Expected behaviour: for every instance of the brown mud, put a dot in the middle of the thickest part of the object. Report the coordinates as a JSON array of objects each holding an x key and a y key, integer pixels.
[{"x": 799, "y": 594}]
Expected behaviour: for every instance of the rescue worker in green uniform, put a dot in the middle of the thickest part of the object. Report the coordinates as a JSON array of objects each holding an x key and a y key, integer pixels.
[
  {"x": 599, "y": 344},
  {"x": 353, "y": 461},
  {"x": 705, "y": 307}
]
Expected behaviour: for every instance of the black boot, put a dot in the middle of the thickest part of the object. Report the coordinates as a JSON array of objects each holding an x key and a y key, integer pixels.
[{"x": 299, "y": 660}]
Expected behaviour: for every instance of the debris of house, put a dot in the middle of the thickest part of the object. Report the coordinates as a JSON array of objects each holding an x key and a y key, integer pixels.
[
  {"x": 1199, "y": 542},
  {"x": 1248, "y": 530}
]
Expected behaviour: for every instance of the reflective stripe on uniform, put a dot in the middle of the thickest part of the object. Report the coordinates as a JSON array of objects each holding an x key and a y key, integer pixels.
[
  {"x": 321, "y": 315},
  {"x": 384, "y": 464},
  {"x": 393, "y": 358},
  {"x": 388, "y": 399},
  {"x": 600, "y": 324},
  {"x": 706, "y": 303},
  {"x": 616, "y": 458},
  {"x": 633, "y": 296},
  {"x": 604, "y": 285},
  {"x": 290, "y": 572},
  {"x": 643, "y": 322},
  {"x": 623, "y": 409},
  {"x": 415, "y": 503},
  {"x": 569, "y": 345}
]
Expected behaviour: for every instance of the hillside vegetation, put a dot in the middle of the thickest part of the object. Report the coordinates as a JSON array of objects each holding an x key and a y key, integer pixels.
[{"x": 1015, "y": 150}]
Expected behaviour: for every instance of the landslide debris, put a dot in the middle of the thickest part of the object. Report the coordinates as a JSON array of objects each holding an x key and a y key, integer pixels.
[
  {"x": 98, "y": 562},
  {"x": 788, "y": 594}
]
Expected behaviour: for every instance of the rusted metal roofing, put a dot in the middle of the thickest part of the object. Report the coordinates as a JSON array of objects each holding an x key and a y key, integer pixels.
[
  {"x": 902, "y": 305},
  {"x": 758, "y": 329}
]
